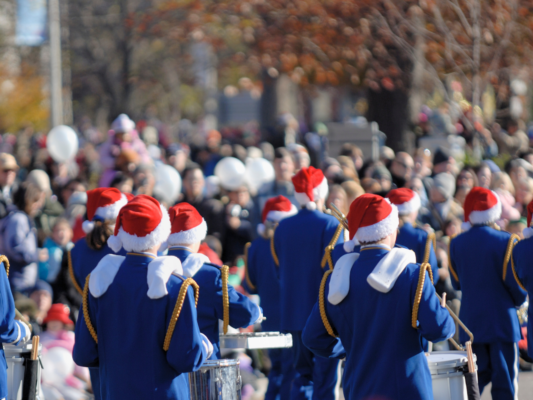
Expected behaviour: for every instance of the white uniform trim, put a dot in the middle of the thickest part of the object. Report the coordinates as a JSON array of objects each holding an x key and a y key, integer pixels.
[
  {"x": 18, "y": 334},
  {"x": 339, "y": 284},
  {"x": 104, "y": 274},
  {"x": 159, "y": 272},
  {"x": 515, "y": 370},
  {"x": 385, "y": 274},
  {"x": 193, "y": 263}
]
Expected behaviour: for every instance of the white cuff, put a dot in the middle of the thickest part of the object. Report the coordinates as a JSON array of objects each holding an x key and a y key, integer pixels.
[
  {"x": 208, "y": 346},
  {"x": 24, "y": 334},
  {"x": 260, "y": 318}
]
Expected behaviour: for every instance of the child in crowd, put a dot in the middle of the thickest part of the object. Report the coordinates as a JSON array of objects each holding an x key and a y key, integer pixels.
[{"x": 57, "y": 244}]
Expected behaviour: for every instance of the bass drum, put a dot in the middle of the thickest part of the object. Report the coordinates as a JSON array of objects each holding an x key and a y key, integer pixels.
[
  {"x": 216, "y": 380},
  {"x": 447, "y": 376},
  {"x": 15, "y": 357}
]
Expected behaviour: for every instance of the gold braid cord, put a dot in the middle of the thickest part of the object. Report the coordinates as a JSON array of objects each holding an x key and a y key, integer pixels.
[
  {"x": 509, "y": 252},
  {"x": 177, "y": 308},
  {"x": 516, "y": 275},
  {"x": 322, "y": 304},
  {"x": 225, "y": 297},
  {"x": 418, "y": 295},
  {"x": 327, "y": 251},
  {"x": 71, "y": 273},
  {"x": 430, "y": 239},
  {"x": 450, "y": 266},
  {"x": 3, "y": 259},
  {"x": 86, "y": 315},
  {"x": 273, "y": 249},
  {"x": 246, "y": 275}
]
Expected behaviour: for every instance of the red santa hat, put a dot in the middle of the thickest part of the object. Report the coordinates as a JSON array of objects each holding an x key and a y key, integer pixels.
[
  {"x": 528, "y": 232},
  {"x": 370, "y": 219},
  {"x": 310, "y": 185},
  {"x": 141, "y": 224},
  {"x": 276, "y": 209},
  {"x": 188, "y": 226},
  {"x": 103, "y": 204},
  {"x": 482, "y": 206},
  {"x": 407, "y": 200}
]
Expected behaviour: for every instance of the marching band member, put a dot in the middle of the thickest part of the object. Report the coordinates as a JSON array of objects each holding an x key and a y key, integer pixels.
[
  {"x": 421, "y": 242},
  {"x": 521, "y": 262},
  {"x": 374, "y": 308},
  {"x": 298, "y": 248},
  {"x": 103, "y": 206},
  {"x": 139, "y": 323},
  {"x": 480, "y": 265},
  {"x": 188, "y": 229},
  {"x": 262, "y": 278},
  {"x": 11, "y": 331}
]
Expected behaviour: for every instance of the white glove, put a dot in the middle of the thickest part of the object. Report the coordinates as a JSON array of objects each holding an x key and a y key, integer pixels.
[
  {"x": 260, "y": 318},
  {"x": 25, "y": 333},
  {"x": 208, "y": 346}
]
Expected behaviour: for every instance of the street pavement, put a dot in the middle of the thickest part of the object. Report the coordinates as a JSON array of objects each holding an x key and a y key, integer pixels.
[{"x": 525, "y": 387}]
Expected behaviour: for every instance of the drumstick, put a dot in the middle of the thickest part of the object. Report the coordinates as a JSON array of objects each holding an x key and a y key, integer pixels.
[
  {"x": 470, "y": 356},
  {"x": 34, "y": 347},
  {"x": 443, "y": 300}
]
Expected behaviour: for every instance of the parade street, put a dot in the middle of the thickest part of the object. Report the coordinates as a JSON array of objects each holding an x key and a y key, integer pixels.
[{"x": 525, "y": 387}]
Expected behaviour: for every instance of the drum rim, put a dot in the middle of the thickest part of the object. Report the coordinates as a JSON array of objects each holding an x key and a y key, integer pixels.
[{"x": 223, "y": 362}]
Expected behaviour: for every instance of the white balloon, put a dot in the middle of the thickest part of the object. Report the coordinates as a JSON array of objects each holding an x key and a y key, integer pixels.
[
  {"x": 167, "y": 183},
  {"x": 231, "y": 172},
  {"x": 62, "y": 143},
  {"x": 58, "y": 365},
  {"x": 259, "y": 172}
]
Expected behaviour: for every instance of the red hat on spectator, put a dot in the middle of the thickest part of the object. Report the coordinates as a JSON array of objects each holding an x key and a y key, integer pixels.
[
  {"x": 188, "y": 226},
  {"x": 276, "y": 209},
  {"x": 528, "y": 232},
  {"x": 370, "y": 219},
  {"x": 102, "y": 204},
  {"x": 141, "y": 224},
  {"x": 59, "y": 312},
  {"x": 310, "y": 185},
  {"x": 407, "y": 200},
  {"x": 482, "y": 206}
]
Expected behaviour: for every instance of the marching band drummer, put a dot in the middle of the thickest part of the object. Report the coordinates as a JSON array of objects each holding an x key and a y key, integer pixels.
[
  {"x": 103, "y": 206},
  {"x": 188, "y": 229},
  {"x": 11, "y": 331},
  {"x": 138, "y": 323},
  {"x": 372, "y": 316},
  {"x": 298, "y": 248},
  {"x": 522, "y": 256},
  {"x": 480, "y": 265},
  {"x": 421, "y": 242},
  {"x": 262, "y": 278}
]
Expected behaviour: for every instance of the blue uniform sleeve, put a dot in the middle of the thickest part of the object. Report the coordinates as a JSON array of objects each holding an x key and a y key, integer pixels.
[
  {"x": 318, "y": 340},
  {"x": 452, "y": 266},
  {"x": 10, "y": 330},
  {"x": 518, "y": 295},
  {"x": 434, "y": 321},
  {"x": 242, "y": 311},
  {"x": 188, "y": 348},
  {"x": 85, "y": 353}
]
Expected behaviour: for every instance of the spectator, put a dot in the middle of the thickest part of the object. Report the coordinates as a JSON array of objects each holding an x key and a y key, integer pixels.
[
  {"x": 8, "y": 177},
  {"x": 211, "y": 210},
  {"x": 370, "y": 185},
  {"x": 332, "y": 170},
  {"x": 42, "y": 294},
  {"x": 348, "y": 168},
  {"x": 442, "y": 162},
  {"x": 517, "y": 227},
  {"x": 59, "y": 243},
  {"x": 337, "y": 195},
  {"x": 484, "y": 176},
  {"x": 300, "y": 156},
  {"x": 517, "y": 170},
  {"x": 466, "y": 180},
  {"x": 178, "y": 156},
  {"x": 417, "y": 185},
  {"x": 382, "y": 175},
  {"x": 74, "y": 185},
  {"x": 524, "y": 195},
  {"x": 353, "y": 190},
  {"x": 422, "y": 163},
  {"x": 19, "y": 240},
  {"x": 441, "y": 205},
  {"x": 355, "y": 153},
  {"x": 122, "y": 182},
  {"x": 401, "y": 169},
  {"x": 514, "y": 141},
  {"x": 76, "y": 209},
  {"x": 239, "y": 230},
  {"x": 502, "y": 185}
]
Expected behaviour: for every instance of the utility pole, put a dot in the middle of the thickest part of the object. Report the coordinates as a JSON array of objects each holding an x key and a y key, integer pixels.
[{"x": 56, "y": 83}]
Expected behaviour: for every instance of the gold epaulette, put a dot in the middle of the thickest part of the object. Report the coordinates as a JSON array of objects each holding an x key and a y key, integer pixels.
[
  {"x": 509, "y": 252},
  {"x": 322, "y": 304},
  {"x": 450, "y": 265},
  {"x": 420, "y": 287},
  {"x": 177, "y": 308},
  {"x": 86, "y": 315},
  {"x": 225, "y": 297},
  {"x": 3, "y": 259},
  {"x": 430, "y": 239},
  {"x": 246, "y": 275},
  {"x": 71, "y": 273},
  {"x": 273, "y": 249},
  {"x": 329, "y": 248}
]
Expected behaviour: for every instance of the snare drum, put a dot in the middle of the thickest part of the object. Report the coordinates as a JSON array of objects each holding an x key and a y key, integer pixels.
[
  {"x": 216, "y": 380},
  {"x": 15, "y": 357},
  {"x": 259, "y": 340},
  {"x": 446, "y": 369}
]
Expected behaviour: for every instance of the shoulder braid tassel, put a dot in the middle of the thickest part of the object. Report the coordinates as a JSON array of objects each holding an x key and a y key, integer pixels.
[
  {"x": 4, "y": 259},
  {"x": 246, "y": 275},
  {"x": 273, "y": 250},
  {"x": 177, "y": 308},
  {"x": 72, "y": 276},
  {"x": 327, "y": 251},
  {"x": 509, "y": 252},
  {"x": 430, "y": 239},
  {"x": 322, "y": 304},
  {"x": 86, "y": 315}
]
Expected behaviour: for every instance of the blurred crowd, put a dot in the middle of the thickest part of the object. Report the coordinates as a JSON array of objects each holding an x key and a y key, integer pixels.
[{"x": 42, "y": 202}]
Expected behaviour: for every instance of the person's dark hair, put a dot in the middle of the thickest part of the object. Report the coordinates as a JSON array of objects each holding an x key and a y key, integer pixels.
[
  {"x": 349, "y": 149},
  {"x": 97, "y": 238},
  {"x": 25, "y": 196},
  {"x": 190, "y": 167},
  {"x": 282, "y": 152},
  {"x": 119, "y": 179}
]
